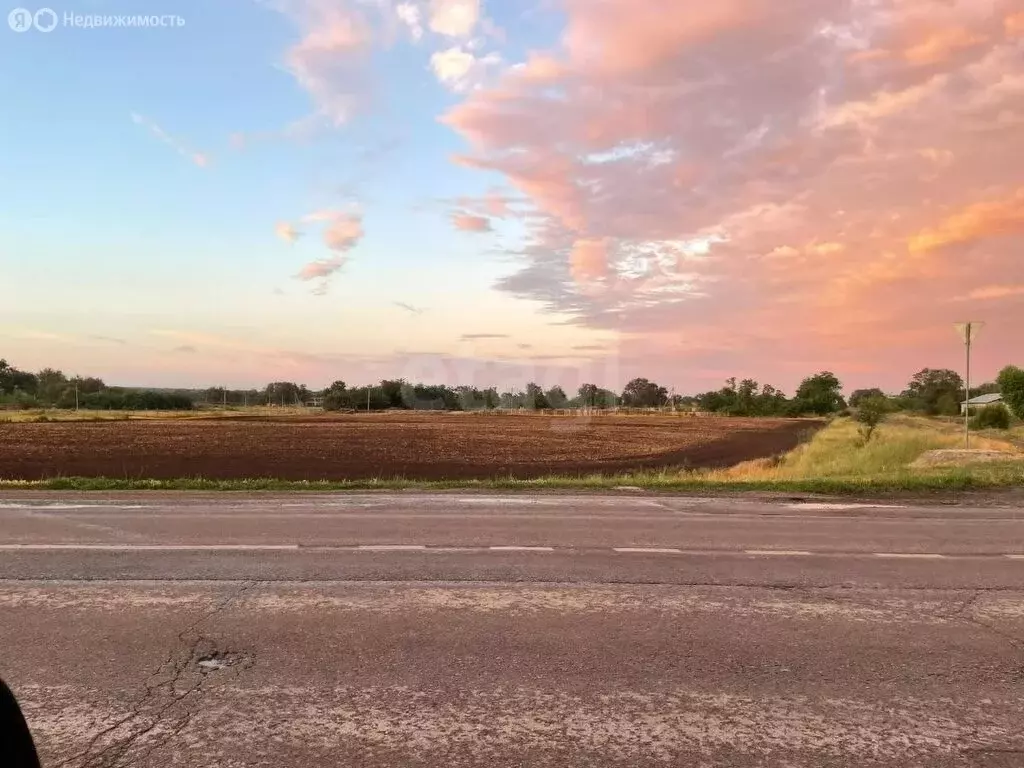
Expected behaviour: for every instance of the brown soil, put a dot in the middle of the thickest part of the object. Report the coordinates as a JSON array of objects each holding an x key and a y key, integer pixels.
[{"x": 410, "y": 445}]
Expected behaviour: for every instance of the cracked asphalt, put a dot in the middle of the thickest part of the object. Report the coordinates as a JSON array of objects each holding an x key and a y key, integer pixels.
[{"x": 473, "y": 630}]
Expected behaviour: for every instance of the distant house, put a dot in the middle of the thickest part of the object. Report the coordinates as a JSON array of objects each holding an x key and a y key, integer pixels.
[{"x": 981, "y": 401}]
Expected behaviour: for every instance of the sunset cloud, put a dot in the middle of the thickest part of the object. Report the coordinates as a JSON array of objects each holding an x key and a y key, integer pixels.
[
  {"x": 461, "y": 70},
  {"x": 410, "y": 16},
  {"x": 1014, "y": 24},
  {"x": 286, "y": 232},
  {"x": 454, "y": 18},
  {"x": 329, "y": 60},
  {"x": 196, "y": 158},
  {"x": 342, "y": 231},
  {"x": 467, "y": 222},
  {"x": 589, "y": 259},
  {"x": 824, "y": 156},
  {"x": 977, "y": 222},
  {"x": 993, "y": 292}
]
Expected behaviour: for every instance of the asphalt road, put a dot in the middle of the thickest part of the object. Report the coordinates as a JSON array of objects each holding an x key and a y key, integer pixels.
[{"x": 472, "y": 630}]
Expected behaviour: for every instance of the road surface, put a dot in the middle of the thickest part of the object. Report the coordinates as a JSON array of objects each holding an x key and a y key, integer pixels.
[{"x": 492, "y": 630}]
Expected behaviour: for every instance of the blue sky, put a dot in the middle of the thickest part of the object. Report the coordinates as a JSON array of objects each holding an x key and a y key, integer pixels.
[{"x": 538, "y": 181}]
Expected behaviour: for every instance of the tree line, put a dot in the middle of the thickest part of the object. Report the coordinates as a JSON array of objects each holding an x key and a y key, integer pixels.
[
  {"x": 930, "y": 391},
  {"x": 52, "y": 388}
]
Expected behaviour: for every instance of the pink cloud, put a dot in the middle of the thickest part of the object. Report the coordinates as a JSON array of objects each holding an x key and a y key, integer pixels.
[
  {"x": 757, "y": 174},
  {"x": 978, "y": 221},
  {"x": 341, "y": 232},
  {"x": 467, "y": 222},
  {"x": 321, "y": 268},
  {"x": 329, "y": 60},
  {"x": 200, "y": 159},
  {"x": 588, "y": 259},
  {"x": 454, "y": 18},
  {"x": 286, "y": 232},
  {"x": 1014, "y": 24},
  {"x": 993, "y": 292}
]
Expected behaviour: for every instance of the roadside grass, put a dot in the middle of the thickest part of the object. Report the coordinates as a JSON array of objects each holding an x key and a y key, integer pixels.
[
  {"x": 837, "y": 451},
  {"x": 833, "y": 461}
]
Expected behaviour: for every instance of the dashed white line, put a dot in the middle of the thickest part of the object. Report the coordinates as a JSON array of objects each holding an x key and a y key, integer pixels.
[
  {"x": 149, "y": 547},
  {"x": 779, "y": 552},
  {"x": 509, "y": 548},
  {"x": 824, "y": 506},
  {"x": 648, "y": 551}
]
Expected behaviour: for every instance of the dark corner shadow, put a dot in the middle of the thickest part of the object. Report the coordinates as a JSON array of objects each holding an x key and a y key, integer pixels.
[{"x": 17, "y": 750}]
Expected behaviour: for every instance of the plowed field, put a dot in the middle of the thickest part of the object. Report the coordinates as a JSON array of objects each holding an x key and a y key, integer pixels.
[{"x": 410, "y": 445}]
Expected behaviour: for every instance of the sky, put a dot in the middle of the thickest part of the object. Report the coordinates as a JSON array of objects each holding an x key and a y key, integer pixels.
[{"x": 491, "y": 192}]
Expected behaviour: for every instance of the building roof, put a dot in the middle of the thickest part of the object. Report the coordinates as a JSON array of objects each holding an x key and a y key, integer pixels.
[{"x": 984, "y": 399}]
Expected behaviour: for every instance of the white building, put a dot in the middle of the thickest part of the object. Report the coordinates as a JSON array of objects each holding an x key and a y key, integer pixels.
[{"x": 981, "y": 401}]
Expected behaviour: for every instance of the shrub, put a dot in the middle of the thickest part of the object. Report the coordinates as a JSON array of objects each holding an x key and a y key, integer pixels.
[
  {"x": 871, "y": 412},
  {"x": 1011, "y": 385},
  {"x": 993, "y": 416}
]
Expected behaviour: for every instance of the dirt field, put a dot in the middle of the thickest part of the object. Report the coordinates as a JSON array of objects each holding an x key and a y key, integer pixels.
[{"x": 409, "y": 445}]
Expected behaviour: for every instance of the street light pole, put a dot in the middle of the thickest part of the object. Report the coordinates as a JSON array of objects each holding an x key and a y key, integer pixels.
[
  {"x": 967, "y": 410},
  {"x": 969, "y": 331}
]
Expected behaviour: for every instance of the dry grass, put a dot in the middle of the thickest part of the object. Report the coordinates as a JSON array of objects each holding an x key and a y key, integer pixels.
[{"x": 838, "y": 452}]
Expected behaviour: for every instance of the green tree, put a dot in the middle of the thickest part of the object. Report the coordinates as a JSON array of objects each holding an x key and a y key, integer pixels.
[
  {"x": 52, "y": 385},
  {"x": 14, "y": 381},
  {"x": 586, "y": 395},
  {"x": 1011, "y": 386},
  {"x": 820, "y": 394},
  {"x": 935, "y": 391},
  {"x": 746, "y": 398},
  {"x": 988, "y": 388},
  {"x": 283, "y": 393},
  {"x": 491, "y": 398},
  {"x": 535, "y": 398},
  {"x": 641, "y": 393},
  {"x": 871, "y": 411},
  {"x": 556, "y": 397},
  {"x": 771, "y": 401},
  {"x": 392, "y": 392},
  {"x": 860, "y": 395}
]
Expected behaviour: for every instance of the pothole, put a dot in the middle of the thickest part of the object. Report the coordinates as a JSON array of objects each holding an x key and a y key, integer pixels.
[{"x": 218, "y": 660}]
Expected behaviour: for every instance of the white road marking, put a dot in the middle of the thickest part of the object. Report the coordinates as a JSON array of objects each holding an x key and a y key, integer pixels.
[
  {"x": 98, "y": 505},
  {"x": 568, "y": 550},
  {"x": 779, "y": 552},
  {"x": 149, "y": 547},
  {"x": 830, "y": 505}
]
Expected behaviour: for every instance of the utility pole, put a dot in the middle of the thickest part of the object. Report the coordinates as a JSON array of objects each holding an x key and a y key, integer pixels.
[
  {"x": 367, "y": 399},
  {"x": 76, "y": 394},
  {"x": 969, "y": 331}
]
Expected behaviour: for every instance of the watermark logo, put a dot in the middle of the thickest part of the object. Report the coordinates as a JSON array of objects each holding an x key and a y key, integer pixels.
[
  {"x": 47, "y": 20},
  {"x": 22, "y": 20}
]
